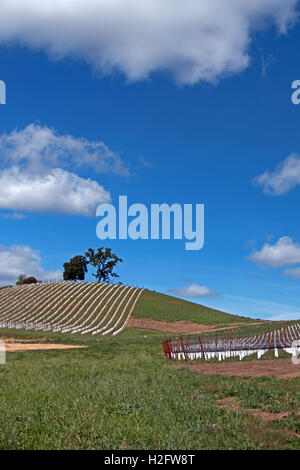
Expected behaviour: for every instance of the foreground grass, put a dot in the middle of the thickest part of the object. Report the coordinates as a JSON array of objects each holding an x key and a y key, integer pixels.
[{"x": 120, "y": 393}]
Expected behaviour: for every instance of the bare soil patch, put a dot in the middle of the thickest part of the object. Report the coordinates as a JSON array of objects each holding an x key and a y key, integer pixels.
[
  {"x": 181, "y": 326},
  {"x": 233, "y": 404},
  {"x": 268, "y": 416},
  {"x": 229, "y": 402},
  {"x": 13, "y": 347},
  {"x": 280, "y": 368}
]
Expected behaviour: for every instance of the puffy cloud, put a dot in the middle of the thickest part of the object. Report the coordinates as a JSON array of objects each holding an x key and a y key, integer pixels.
[
  {"x": 284, "y": 252},
  {"x": 36, "y": 147},
  {"x": 193, "y": 41},
  {"x": 57, "y": 191},
  {"x": 31, "y": 178},
  {"x": 285, "y": 177},
  {"x": 20, "y": 259},
  {"x": 194, "y": 291}
]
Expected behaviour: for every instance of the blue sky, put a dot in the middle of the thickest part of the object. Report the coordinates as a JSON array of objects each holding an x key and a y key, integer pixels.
[{"x": 164, "y": 139}]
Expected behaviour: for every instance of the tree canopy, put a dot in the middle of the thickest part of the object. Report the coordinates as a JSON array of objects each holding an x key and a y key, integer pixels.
[
  {"x": 75, "y": 269},
  {"x": 22, "y": 279},
  {"x": 104, "y": 261}
]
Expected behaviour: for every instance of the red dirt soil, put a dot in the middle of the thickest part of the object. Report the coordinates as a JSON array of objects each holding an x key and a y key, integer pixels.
[
  {"x": 181, "y": 326},
  {"x": 280, "y": 368},
  {"x": 164, "y": 326}
]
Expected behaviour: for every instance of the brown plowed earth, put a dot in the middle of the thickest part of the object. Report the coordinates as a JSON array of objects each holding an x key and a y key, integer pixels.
[
  {"x": 164, "y": 326},
  {"x": 280, "y": 368},
  {"x": 181, "y": 326},
  {"x": 13, "y": 347}
]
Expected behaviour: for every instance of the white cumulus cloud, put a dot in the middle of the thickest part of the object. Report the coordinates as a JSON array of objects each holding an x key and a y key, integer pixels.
[
  {"x": 21, "y": 259},
  {"x": 282, "y": 253},
  {"x": 57, "y": 191},
  {"x": 193, "y": 291},
  {"x": 285, "y": 177},
  {"x": 192, "y": 40},
  {"x": 37, "y": 147},
  {"x": 35, "y": 176}
]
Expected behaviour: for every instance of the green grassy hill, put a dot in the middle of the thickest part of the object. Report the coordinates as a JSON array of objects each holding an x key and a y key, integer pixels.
[
  {"x": 167, "y": 308},
  {"x": 91, "y": 308}
]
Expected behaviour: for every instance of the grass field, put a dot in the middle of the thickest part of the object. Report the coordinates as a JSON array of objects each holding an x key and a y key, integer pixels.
[{"x": 121, "y": 393}]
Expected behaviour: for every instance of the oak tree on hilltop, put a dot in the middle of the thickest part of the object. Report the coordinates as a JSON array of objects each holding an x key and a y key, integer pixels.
[{"x": 104, "y": 261}]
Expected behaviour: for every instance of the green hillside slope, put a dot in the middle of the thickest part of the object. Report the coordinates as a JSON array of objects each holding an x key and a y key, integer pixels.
[
  {"x": 91, "y": 308},
  {"x": 165, "y": 307}
]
